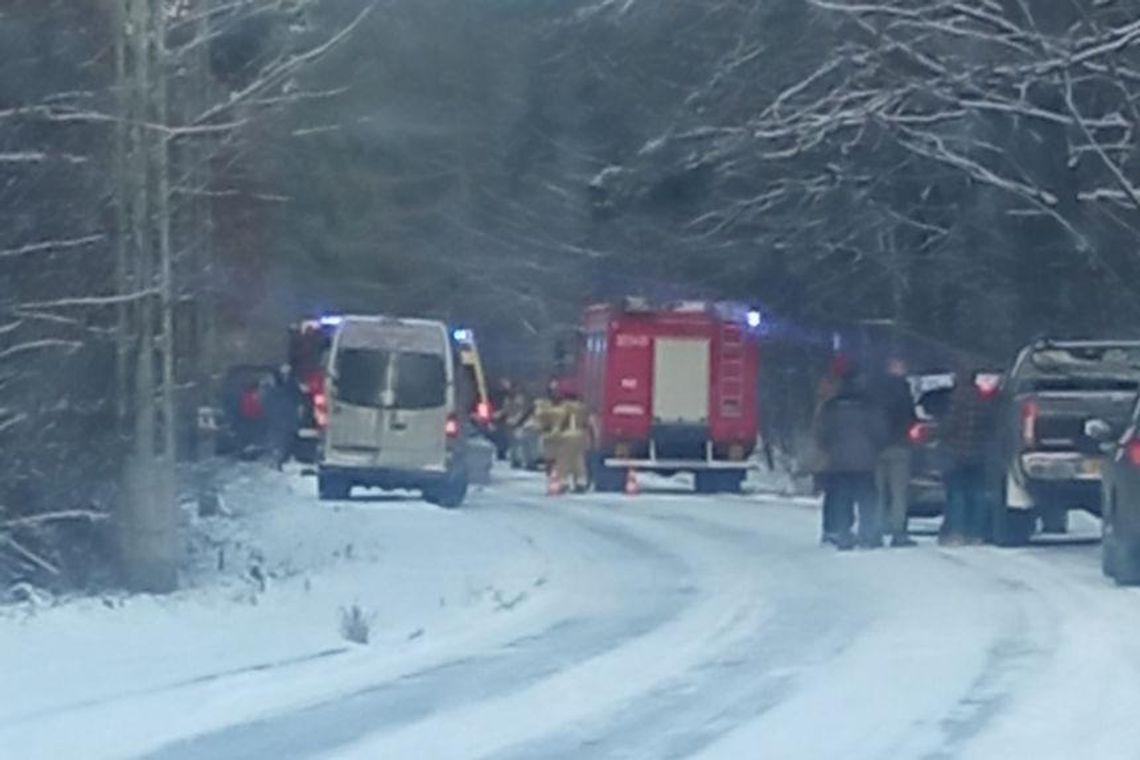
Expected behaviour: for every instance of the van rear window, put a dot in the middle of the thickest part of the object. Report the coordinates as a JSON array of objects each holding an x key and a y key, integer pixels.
[
  {"x": 421, "y": 381},
  {"x": 361, "y": 376}
]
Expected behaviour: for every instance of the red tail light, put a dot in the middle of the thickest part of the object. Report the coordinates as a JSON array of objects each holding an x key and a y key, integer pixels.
[
  {"x": 1132, "y": 451},
  {"x": 320, "y": 410},
  {"x": 1029, "y": 412},
  {"x": 920, "y": 433},
  {"x": 483, "y": 411},
  {"x": 451, "y": 427}
]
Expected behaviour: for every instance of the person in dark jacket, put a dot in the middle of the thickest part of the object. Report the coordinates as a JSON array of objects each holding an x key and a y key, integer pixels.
[
  {"x": 825, "y": 391},
  {"x": 965, "y": 438},
  {"x": 285, "y": 400},
  {"x": 892, "y": 476},
  {"x": 850, "y": 435}
]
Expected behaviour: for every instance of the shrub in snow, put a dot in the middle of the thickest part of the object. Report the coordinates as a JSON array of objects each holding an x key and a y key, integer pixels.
[{"x": 355, "y": 624}]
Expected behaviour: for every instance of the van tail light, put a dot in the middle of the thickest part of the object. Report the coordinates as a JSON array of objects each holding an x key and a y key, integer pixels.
[
  {"x": 920, "y": 433},
  {"x": 321, "y": 410},
  {"x": 1132, "y": 451},
  {"x": 483, "y": 411},
  {"x": 451, "y": 427},
  {"x": 1029, "y": 411}
]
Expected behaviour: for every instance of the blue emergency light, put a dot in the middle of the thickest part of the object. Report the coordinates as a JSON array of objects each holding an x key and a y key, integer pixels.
[
  {"x": 755, "y": 318},
  {"x": 462, "y": 335},
  {"x": 331, "y": 320}
]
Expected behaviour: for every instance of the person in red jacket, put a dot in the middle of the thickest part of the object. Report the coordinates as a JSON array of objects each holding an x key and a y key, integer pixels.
[{"x": 251, "y": 416}]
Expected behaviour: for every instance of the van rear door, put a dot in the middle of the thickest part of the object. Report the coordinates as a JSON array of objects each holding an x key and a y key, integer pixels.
[
  {"x": 358, "y": 385},
  {"x": 414, "y": 435}
]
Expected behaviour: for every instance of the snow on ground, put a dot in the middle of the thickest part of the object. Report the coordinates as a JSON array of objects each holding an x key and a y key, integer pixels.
[
  {"x": 664, "y": 625},
  {"x": 424, "y": 576}
]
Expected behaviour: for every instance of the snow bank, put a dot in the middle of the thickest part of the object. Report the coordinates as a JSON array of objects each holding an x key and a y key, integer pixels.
[{"x": 265, "y": 586}]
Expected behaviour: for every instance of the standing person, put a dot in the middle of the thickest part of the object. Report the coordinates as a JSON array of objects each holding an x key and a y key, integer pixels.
[
  {"x": 501, "y": 432},
  {"x": 825, "y": 391},
  {"x": 573, "y": 443},
  {"x": 850, "y": 435},
  {"x": 284, "y": 404},
  {"x": 517, "y": 411},
  {"x": 892, "y": 476},
  {"x": 548, "y": 414},
  {"x": 965, "y": 436},
  {"x": 251, "y": 414}
]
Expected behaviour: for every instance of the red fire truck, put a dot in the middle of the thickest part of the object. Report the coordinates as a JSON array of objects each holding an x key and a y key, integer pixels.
[{"x": 671, "y": 388}]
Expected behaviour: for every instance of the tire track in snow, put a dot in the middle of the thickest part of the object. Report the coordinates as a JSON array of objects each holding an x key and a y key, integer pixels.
[
  {"x": 728, "y": 687},
  {"x": 522, "y": 662},
  {"x": 1027, "y": 642},
  {"x": 724, "y": 613}
]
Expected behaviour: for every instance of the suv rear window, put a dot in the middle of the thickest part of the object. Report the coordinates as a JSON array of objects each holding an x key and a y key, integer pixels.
[
  {"x": 421, "y": 381},
  {"x": 361, "y": 376}
]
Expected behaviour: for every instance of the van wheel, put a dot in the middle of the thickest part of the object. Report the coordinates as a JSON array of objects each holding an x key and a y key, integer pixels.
[
  {"x": 449, "y": 495},
  {"x": 1012, "y": 527},
  {"x": 1055, "y": 520},
  {"x": 333, "y": 488}
]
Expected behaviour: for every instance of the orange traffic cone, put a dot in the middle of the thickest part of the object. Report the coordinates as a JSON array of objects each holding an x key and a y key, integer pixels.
[
  {"x": 553, "y": 482},
  {"x": 631, "y": 488}
]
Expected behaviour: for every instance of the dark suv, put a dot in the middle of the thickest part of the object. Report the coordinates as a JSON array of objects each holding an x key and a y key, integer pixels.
[
  {"x": 1047, "y": 464},
  {"x": 1120, "y": 512}
]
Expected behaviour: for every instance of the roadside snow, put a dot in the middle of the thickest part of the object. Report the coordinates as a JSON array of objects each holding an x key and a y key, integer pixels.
[{"x": 266, "y": 587}]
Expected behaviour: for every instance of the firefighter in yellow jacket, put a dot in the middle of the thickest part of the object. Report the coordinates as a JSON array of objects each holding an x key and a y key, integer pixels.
[
  {"x": 573, "y": 442},
  {"x": 547, "y": 418}
]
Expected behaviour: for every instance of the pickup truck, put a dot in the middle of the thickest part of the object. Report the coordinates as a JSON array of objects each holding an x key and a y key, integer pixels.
[{"x": 1046, "y": 464}]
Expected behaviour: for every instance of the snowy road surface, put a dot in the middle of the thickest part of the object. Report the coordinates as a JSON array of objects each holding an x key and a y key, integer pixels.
[{"x": 598, "y": 627}]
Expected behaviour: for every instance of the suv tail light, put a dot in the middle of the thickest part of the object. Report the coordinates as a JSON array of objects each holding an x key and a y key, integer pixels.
[
  {"x": 321, "y": 410},
  {"x": 451, "y": 427},
  {"x": 1029, "y": 412},
  {"x": 920, "y": 433}
]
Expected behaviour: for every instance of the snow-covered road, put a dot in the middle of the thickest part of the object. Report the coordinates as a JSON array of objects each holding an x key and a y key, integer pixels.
[{"x": 651, "y": 627}]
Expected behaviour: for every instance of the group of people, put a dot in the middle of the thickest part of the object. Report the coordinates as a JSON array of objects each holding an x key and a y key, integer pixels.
[
  {"x": 269, "y": 415},
  {"x": 862, "y": 430},
  {"x": 563, "y": 422},
  {"x": 553, "y": 429}
]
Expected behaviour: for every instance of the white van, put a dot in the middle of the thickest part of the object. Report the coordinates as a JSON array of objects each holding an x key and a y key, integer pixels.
[{"x": 395, "y": 411}]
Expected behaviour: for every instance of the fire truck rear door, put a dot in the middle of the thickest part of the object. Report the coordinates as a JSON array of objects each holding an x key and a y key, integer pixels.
[{"x": 681, "y": 381}]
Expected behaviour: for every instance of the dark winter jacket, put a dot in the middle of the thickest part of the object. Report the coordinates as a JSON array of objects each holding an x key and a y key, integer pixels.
[
  {"x": 850, "y": 432},
  {"x": 967, "y": 429},
  {"x": 897, "y": 406}
]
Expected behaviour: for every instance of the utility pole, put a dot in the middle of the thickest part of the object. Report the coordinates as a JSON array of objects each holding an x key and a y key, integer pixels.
[{"x": 148, "y": 517}]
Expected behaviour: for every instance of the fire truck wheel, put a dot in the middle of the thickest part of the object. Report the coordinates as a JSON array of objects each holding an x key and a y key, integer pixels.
[
  {"x": 711, "y": 482},
  {"x": 706, "y": 482}
]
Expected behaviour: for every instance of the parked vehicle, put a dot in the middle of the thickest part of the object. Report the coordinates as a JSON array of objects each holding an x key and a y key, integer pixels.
[
  {"x": 927, "y": 492},
  {"x": 1047, "y": 464},
  {"x": 397, "y": 406},
  {"x": 671, "y": 388},
  {"x": 932, "y": 394},
  {"x": 309, "y": 344},
  {"x": 482, "y": 410},
  {"x": 1120, "y": 511}
]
